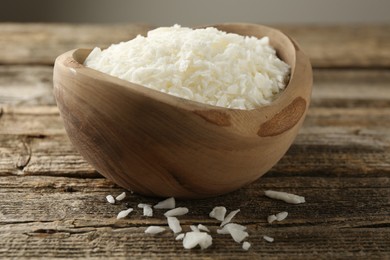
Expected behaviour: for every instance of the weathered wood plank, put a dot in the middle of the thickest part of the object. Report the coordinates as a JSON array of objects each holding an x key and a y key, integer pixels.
[
  {"x": 26, "y": 85},
  {"x": 74, "y": 211},
  {"x": 345, "y": 129},
  {"x": 32, "y": 86},
  {"x": 331, "y": 150},
  {"x": 351, "y": 88},
  {"x": 42, "y": 155},
  {"x": 41, "y": 121},
  {"x": 129, "y": 242},
  {"x": 14, "y": 153},
  {"x": 32, "y": 121},
  {"x": 344, "y": 46},
  {"x": 332, "y": 198},
  {"x": 272, "y": 180},
  {"x": 52, "y": 203},
  {"x": 42, "y": 43},
  {"x": 327, "y": 46},
  {"x": 46, "y": 120},
  {"x": 338, "y": 140}
]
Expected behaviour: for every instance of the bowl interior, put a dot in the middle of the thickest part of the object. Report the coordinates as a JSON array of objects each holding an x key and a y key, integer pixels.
[{"x": 285, "y": 49}]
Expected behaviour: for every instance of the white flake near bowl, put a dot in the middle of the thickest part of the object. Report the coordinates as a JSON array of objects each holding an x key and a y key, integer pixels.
[
  {"x": 192, "y": 239},
  {"x": 142, "y": 205},
  {"x": 237, "y": 231},
  {"x": 203, "y": 228},
  {"x": 154, "y": 230},
  {"x": 194, "y": 228},
  {"x": 281, "y": 215},
  {"x": 218, "y": 213},
  {"x": 278, "y": 217},
  {"x": 169, "y": 203},
  {"x": 148, "y": 211},
  {"x": 174, "y": 224},
  {"x": 121, "y": 196},
  {"x": 246, "y": 245},
  {"x": 268, "y": 239},
  {"x": 229, "y": 217},
  {"x": 286, "y": 197},
  {"x": 180, "y": 236},
  {"x": 110, "y": 199},
  {"x": 176, "y": 212},
  {"x": 124, "y": 213},
  {"x": 271, "y": 218}
]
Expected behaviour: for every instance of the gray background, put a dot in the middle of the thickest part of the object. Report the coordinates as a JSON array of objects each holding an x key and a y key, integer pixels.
[{"x": 188, "y": 12}]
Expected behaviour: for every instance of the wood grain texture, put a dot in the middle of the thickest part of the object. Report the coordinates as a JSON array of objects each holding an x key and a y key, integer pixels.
[
  {"x": 153, "y": 143},
  {"x": 361, "y": 149},
  {"x": 33, "y": 85},
  {"x": 335, "y": 46},
  {"x": 118, "y": 242},
  {"x": 26, "y": 85},
  {"x": 42, "y": 43},
  {"x": 327, "y": 46},
  {"x": 84, "y": 199},
  {"x": 52, "y": 203},
  {"x": 74, "y": 211}
]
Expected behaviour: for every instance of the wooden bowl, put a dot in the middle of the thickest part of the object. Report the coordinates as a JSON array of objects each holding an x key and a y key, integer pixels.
[{"x": 157, "y": 144}]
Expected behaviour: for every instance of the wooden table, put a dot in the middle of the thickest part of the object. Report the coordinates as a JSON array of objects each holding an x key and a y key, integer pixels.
[{"x": 52, "y": 203}]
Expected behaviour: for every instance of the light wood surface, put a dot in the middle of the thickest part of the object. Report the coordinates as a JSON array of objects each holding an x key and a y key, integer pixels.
[
  {"x": 53, "y": 202},
  {"x": 359, "y": 46}
]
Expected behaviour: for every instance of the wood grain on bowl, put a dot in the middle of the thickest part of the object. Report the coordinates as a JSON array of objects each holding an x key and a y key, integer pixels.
[{"x": 161, "y": 145}]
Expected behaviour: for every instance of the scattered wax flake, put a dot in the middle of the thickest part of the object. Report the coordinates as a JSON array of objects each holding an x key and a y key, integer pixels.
[
  {"x": 229, "y": 217},
  {"x": 121, "y": 196},
  {"x": 218, "y": 213},
  {"x": 110, "y": 199},
  {"x": 124, "y": 213},
  {"x": 176, "y": 212},
  {"x": 166, "y": 204},
  {"x": 286, "y": 197},
  {"x": 192, "y": 239},
  {"x": 154, "y": 230}
]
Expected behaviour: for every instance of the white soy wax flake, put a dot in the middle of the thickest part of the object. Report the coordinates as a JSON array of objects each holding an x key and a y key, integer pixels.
[
  {"x": 246, "y": 245},
  {"x": 148, "y": 211},
  {"x": 166, "y": 204},
  {"x": 281, "y": 216},
  {"x": 121, "y": 196},
  {"x": 229, "y": 217},
  {"x": 203, "y": 228},
  {"x": 174, "y": 224},
  {"x": 110, "y": 199},
  {"x": 218, "y": 213},
  {"x": 268, "y": 239},
  {"x": 271, "y": 218},
  {"x": 124, "y": 213},
  {"x": 236, "y": 231},
  {"x": 142, "y": 205},
  {"x": 192, "y": 239},
  {"x": 176, "y": 212},
  {"x": 194, "y": 228},
  {"x": 180, "y": 236},
  {"x": 154, "y": 230},
  {"x": 284, "y": 196}
]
